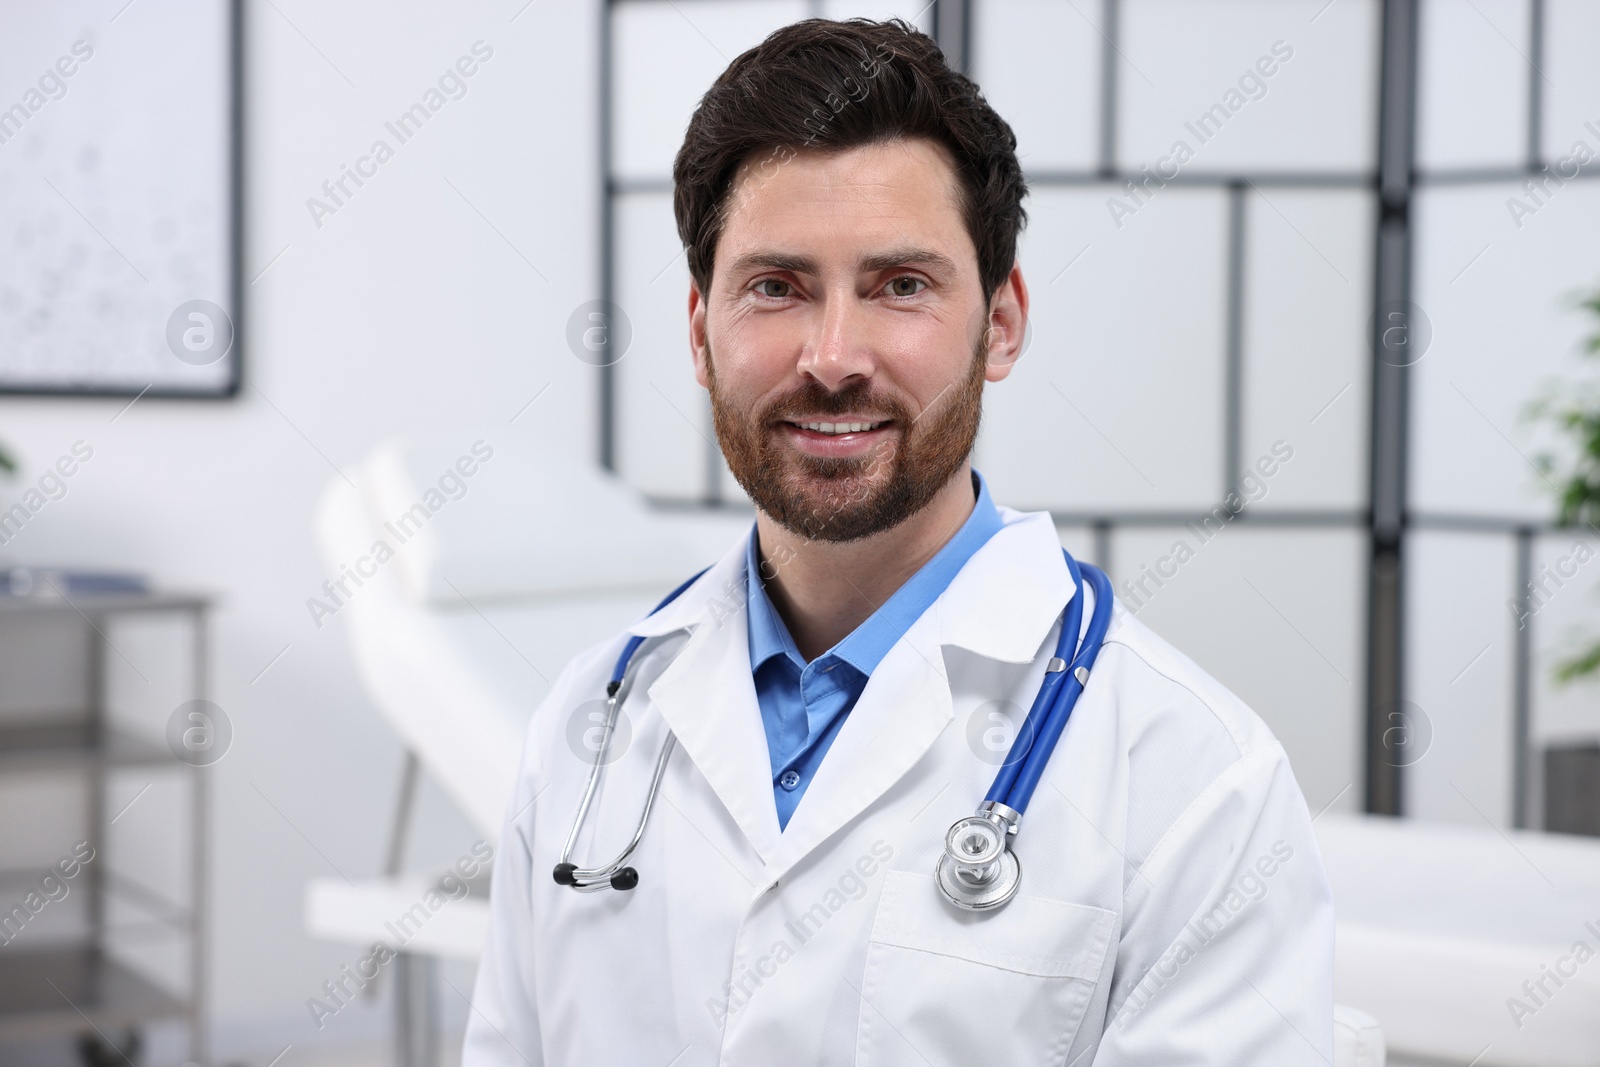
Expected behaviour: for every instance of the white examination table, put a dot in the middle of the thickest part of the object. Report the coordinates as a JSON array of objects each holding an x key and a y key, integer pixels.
[{"x": 1440, "y": 925}]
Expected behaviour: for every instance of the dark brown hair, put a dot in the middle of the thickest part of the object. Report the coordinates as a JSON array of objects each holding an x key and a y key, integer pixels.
[{"x": 821, "y": 84}]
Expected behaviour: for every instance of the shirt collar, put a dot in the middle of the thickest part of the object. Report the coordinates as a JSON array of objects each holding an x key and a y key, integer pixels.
[
  {"x": 865, "y": 646},
  {"x": 1001, "y": 607},
  {"x": 768, "y": 635}
]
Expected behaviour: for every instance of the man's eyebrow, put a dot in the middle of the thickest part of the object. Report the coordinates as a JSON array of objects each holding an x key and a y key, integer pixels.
[
  {"x": 902, "y": 257},
  {"x": 872, "y": 264},
  {"x": 774, "y": 261}
]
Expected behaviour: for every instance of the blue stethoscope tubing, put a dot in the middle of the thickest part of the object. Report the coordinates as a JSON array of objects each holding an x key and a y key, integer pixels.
[
  {"x": 620, "y": 671},
  {"x": 1058, "y": 694},
  {"x": 979, "y": 871}
]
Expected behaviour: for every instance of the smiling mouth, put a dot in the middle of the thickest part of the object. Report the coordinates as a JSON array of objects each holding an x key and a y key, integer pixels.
[{"x": 834, "y": 429}]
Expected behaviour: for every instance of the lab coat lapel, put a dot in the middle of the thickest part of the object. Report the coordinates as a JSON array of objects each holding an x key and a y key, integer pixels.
[
  {"x": 902, "y": 711},
  {"x": 1002, "y": 605},
  {"x": 707, "y": 697}
]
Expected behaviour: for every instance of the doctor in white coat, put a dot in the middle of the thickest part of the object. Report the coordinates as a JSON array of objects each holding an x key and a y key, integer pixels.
[{"x": 841, "y": 683}]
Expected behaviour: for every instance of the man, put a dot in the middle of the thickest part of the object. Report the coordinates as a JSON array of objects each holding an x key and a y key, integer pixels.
[{"x": 836, "y": 681}]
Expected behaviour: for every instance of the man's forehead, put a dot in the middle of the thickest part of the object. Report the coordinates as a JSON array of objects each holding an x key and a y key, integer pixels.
[{"x": 904, "y": 190}]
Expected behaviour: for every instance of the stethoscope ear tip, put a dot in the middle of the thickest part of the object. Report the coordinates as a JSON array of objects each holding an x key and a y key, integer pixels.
[{"x": 567, "y": 874}]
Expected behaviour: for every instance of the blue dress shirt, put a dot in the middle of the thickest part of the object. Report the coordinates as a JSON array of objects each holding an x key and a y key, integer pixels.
[{"x": 804, "y": 704}]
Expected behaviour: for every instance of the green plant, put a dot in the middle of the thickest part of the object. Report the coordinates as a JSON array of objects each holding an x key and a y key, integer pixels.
[{"x": 1573, "y": 409}]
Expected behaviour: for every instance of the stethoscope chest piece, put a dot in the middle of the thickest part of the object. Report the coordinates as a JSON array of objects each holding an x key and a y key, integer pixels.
[{"x": 978, "y": 870}]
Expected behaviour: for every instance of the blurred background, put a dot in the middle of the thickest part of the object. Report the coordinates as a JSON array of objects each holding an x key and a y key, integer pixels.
[{"x": 1312, "y": 287}]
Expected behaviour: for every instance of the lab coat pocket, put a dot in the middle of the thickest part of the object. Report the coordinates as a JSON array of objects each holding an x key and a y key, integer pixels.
[{"x": 943, "y": 986}]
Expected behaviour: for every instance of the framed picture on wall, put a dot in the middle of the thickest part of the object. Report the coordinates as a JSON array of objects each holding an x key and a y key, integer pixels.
[{"x": 119, "y": 199}]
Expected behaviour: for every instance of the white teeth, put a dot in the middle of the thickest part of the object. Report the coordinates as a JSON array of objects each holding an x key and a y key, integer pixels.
[{"x": 840, "y": 427}]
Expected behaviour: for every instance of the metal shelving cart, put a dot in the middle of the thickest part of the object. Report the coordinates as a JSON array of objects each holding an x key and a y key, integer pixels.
[{"x": 57, "y": 987}]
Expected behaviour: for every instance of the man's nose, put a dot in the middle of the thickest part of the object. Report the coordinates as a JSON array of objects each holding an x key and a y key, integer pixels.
[{"x": 840, "y": 348}]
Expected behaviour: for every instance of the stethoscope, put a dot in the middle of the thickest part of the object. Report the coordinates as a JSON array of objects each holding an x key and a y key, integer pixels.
[{"x": 979, "y": 870}]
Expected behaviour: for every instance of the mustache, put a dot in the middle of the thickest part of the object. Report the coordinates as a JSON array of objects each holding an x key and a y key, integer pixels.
[{"x": 812, "y": 399}]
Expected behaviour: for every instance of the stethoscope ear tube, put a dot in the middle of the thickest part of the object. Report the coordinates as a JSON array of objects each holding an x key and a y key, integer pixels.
[{"x": 614, "y": 875}]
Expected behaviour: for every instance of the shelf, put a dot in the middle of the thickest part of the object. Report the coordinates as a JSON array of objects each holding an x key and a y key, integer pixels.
[
  {"x": 159, "y": 910},
  {"x": 102, "y": 603},
  {"x": 64, "y": 991},
  {"x": 58, "y": 979},
  {"x": 52, "y": 747}
]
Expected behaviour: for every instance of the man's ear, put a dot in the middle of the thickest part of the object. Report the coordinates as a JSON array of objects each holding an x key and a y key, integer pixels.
[
  {"x": 697, "y": 335},
  {"x": 1006, "y": 329}
]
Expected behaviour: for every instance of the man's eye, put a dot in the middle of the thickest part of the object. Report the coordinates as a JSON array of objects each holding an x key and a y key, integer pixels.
[
  {"x": 776, "y": 288},
  {"x": 907, "y": 286}
]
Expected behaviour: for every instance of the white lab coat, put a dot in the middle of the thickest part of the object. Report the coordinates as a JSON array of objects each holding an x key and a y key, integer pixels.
[{"x": 1173, "y": 908}]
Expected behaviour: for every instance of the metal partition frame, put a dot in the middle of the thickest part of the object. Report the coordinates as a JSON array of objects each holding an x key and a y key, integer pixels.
[{"x": 1393, "y": 182}]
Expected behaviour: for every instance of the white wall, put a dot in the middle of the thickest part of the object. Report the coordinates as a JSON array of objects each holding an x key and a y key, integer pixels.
[{"x": 406, "y": 310}]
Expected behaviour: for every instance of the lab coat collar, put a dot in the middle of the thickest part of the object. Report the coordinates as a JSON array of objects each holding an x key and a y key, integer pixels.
[
  {"x": 1003, "y": 602},
  {"x": 1001, "y": 605}
]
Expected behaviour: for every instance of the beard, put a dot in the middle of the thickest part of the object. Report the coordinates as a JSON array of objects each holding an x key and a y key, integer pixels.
[{"x": 845, "y": 499}]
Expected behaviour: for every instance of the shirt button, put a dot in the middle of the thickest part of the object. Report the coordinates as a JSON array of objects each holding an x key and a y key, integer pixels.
[{"x": 789, "y": 779}]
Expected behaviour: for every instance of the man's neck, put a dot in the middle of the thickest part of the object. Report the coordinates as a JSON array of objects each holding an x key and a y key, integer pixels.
[{"x": 824, "y": 590}]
